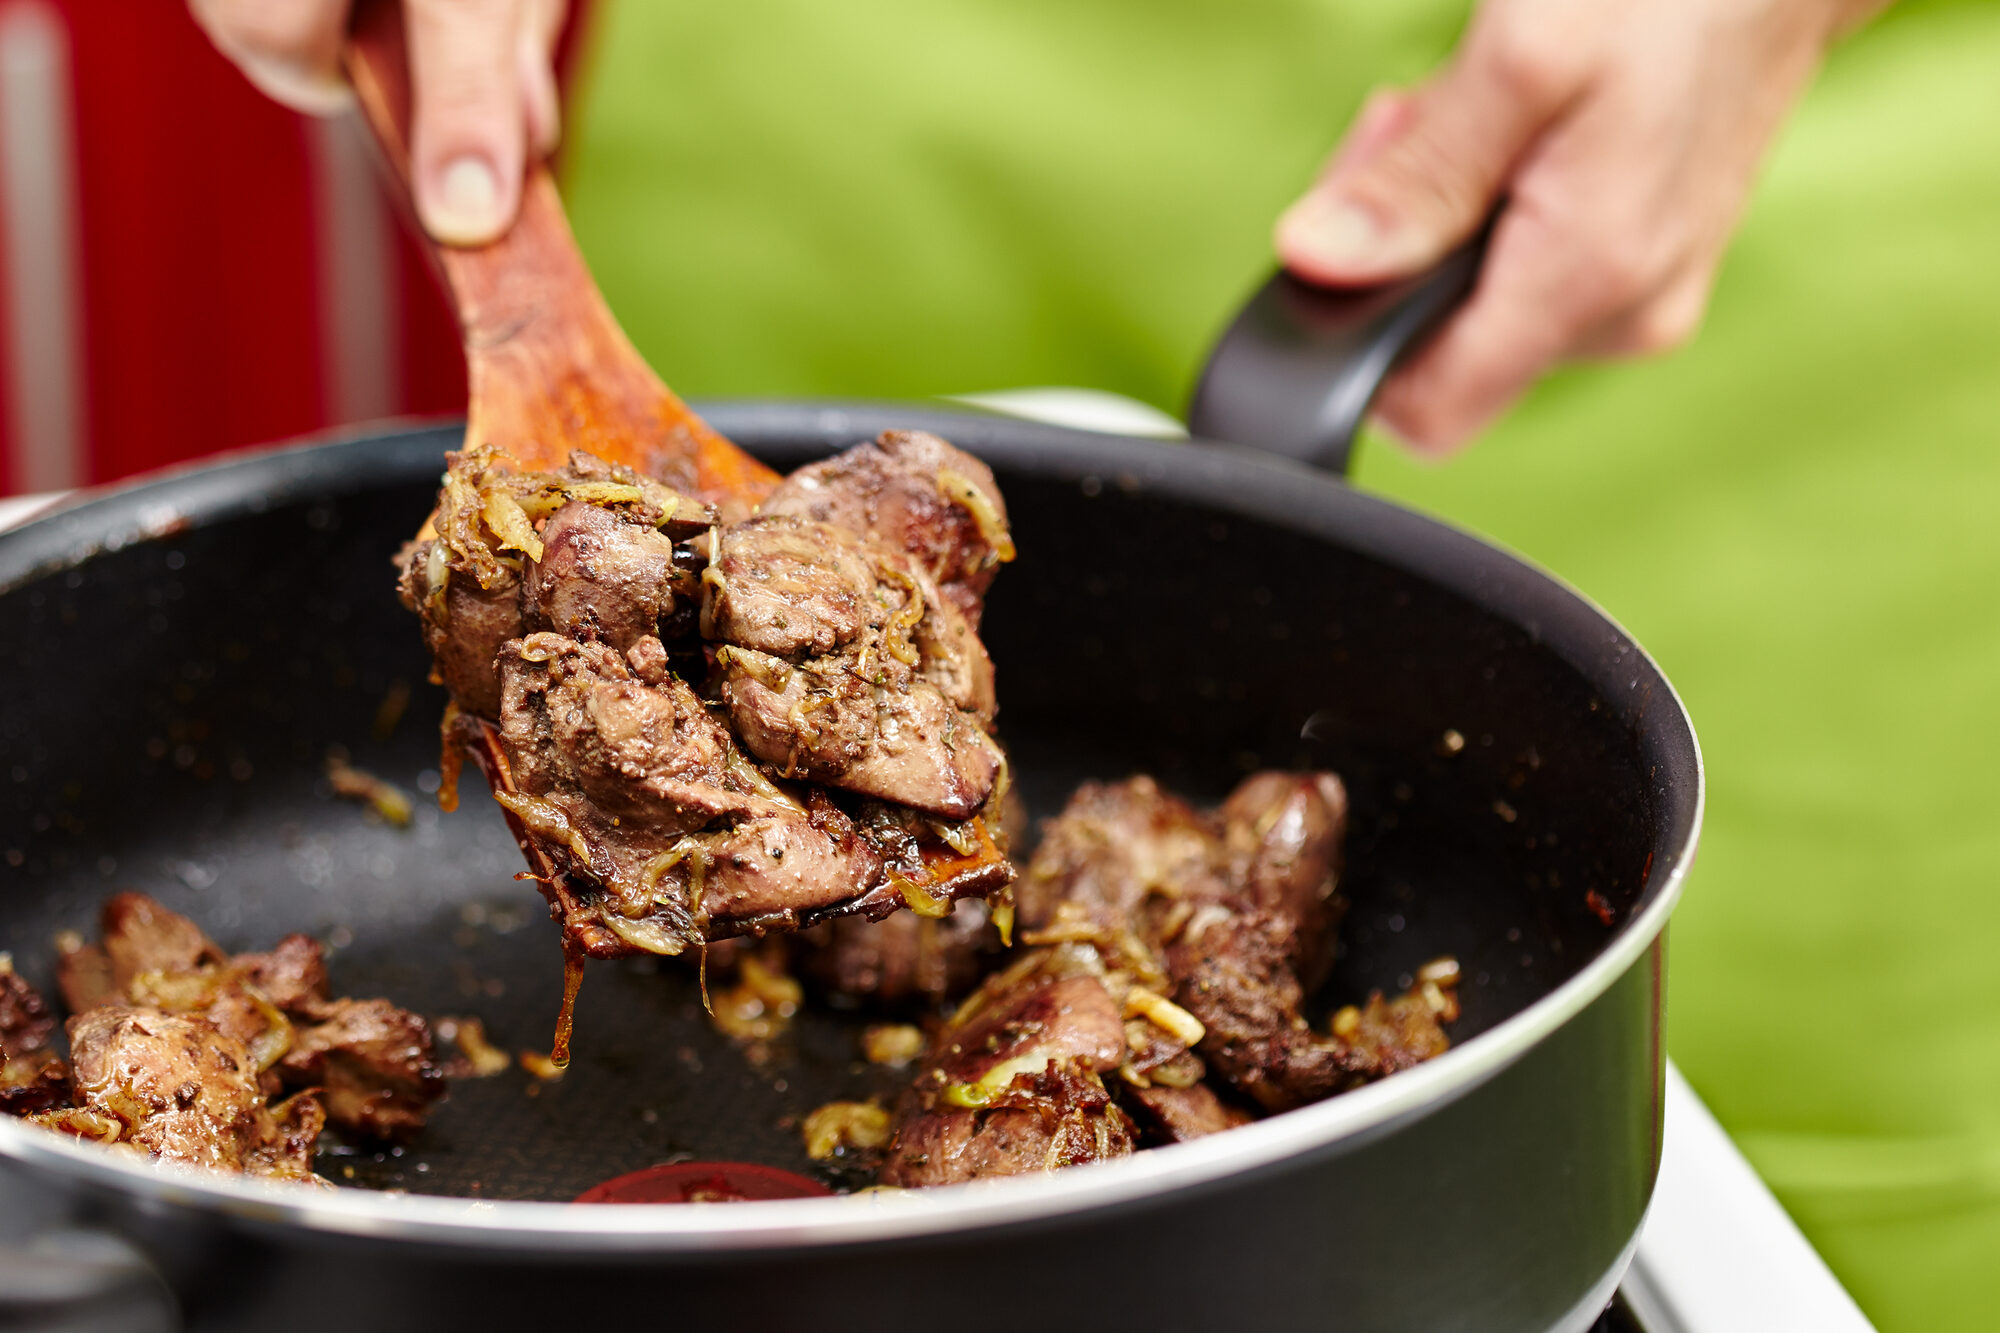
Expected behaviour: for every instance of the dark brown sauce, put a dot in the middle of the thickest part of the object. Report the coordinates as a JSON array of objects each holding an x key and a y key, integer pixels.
[
  {"x": 573, "y": 960},
  {"x": 451, "y": 759}
]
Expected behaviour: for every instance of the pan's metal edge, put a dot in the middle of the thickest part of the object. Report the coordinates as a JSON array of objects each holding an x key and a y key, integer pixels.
[
  {"x": 161, "y": 504},
  {"x": 639, "y": 1230}
]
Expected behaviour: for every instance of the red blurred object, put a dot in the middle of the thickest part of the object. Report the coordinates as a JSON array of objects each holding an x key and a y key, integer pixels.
[
  {"x": 703, "y": 1182},
  {"x": 186, "y": 267}
]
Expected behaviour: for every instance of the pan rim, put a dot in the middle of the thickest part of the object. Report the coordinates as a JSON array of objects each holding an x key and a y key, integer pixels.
[{"x": 1262, "y": 486}]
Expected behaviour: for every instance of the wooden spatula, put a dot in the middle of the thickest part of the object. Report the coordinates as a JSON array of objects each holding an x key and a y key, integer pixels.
[{"x": 550, "y": 369}]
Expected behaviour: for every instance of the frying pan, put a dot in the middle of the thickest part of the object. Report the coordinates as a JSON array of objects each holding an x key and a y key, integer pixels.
[{"x": 182, "y": 652}]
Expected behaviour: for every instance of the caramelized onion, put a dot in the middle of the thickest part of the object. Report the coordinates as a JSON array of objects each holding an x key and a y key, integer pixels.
[
  {"x": 840, "y": 1125},
  {"x": 545, "y": 821},
  {"x": 962, "y": 491},
  {"x": 919, "y": 897},
  {"x": 896, "y": 635},
  {"x": 508, "y": 523},
  {"x": 644, "y": 934}
]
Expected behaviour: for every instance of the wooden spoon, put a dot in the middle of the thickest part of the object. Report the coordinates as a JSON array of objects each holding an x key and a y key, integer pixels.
[{"x": 550, "y": 369}]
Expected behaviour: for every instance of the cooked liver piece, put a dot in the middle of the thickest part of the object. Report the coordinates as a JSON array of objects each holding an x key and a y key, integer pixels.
[
  {"x": 1232, "y": 971},
  {"x": 1124, "y": 853},
  {"x": 373, "y": 1064},
  {"x": 906, "y": 489},
  {"x": 1033, "y": 1041},
  {"x": 83, "y": 975},
  {"x": 141, "y": 937},
  {"x": 292, "y": 975},
  {"x": 25, "y": 1021},
  {"x": 464, "y": 627},
  {"x": 608, "y": 568},
  {"x": 374, "y": 1060},
  {"x": 32, "y": 1078},
  {"x": 632, "y": 769},
  {"x": 845, "y": 665},
  {"x": 1283, "y": 833},
  {"x": 1241, "y": 907},
  {"x": 601, "y": 577},
  {"x": 182, "y": 1091},
  {"x": 902, "y": 959},
  {"x": 1175, "y": 1115}
]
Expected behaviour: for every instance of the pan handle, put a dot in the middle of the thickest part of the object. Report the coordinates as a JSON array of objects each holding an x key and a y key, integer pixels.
[{"x": 1297, "y": 368}]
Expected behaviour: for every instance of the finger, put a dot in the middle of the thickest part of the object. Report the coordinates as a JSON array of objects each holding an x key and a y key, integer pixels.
[
  {"x": 1544, "y": 298},
  {"x": 1658, "y": 324},
  {"x": 468, "y": 137},
  {"x": 1385, "y": 115},
  {"x": 1402, "y": 205},
  {"x": 1530, "y": 307},
  {"x": 288, "y": 49},
  {"x": 535, "y": 59}
]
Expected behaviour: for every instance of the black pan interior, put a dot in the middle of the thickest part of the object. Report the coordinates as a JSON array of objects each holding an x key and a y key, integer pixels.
[{"x": 169, "y": 705}]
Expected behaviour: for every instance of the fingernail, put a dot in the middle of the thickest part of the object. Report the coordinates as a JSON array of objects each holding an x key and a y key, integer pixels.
[
  {"x": 1336, "y": 234},
  {"x": 465, "y": 207}
]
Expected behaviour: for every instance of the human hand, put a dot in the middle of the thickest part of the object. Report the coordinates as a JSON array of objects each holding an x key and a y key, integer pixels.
[
  {"x": 481, "y": 76},
  {"x": 1624, "y": 137}
]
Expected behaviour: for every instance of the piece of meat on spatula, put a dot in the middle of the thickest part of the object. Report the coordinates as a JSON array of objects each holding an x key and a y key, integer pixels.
[{"x": 595, "y": 577}]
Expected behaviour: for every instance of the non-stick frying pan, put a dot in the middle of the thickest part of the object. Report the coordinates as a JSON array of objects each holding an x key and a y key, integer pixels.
[{"x": 180, "y": 654}]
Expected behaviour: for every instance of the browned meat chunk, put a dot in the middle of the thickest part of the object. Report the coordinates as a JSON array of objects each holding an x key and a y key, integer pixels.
[
  {"x": 637, "y": 786},
  {"x": 1124, "y": 854},
  {"x": 180, "y": 1091},
  {"x": 1045, "y": 1119},
  {"x": 291, "y": 976},
  {"x": 25, "y": 1021},
  {"x": 83, "y": 973},
  {"x": 844, "y": 665},
  {"x": 789, "y": 863},
  {"x": 477, "y": 584},
  {"x": 373, "y": 1064},
  {"x": 582, "y": 728},
  {"x": 464, "y": 622},
  {"x": 902, "y": 958},
  {"x": 1233, "y": 973},
  {"x": 178, "y": 1048},
  {"x": 32, "y": 1078},
  {"x": 37, "y": 1081},
  {"x": 1283, "y": 833},
  {"x": 1175, "y": 1115},
  {"x": 911, "y": 492},
  {"x": 1403, "y": 1031},
  {"x": 1240, "y": 907},
  {"x": 601, "y": 577},
  {"x": 374, "y": 1061},
  {"x": 288, "y": 1137},
  {"x": 141, "y": 938},
  {"x": 1013, "y": 1082},
  {"x": 1134, "y": 856}
]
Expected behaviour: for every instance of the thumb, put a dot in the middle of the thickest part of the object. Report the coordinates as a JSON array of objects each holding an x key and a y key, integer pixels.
[{"x": 1411, "y": 184}]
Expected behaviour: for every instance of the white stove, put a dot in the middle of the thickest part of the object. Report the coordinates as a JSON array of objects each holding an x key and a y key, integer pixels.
[{"x": 1718, "y": 1253}]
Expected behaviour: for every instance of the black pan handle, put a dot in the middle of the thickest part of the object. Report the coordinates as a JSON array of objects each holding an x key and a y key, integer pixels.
[{"x": 1295, "y": 371}]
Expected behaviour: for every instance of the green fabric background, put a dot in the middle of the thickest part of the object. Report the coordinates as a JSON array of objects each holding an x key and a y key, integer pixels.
[{"x": 891, "y": 198}]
